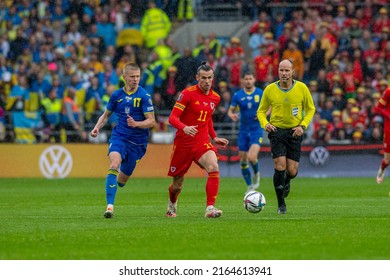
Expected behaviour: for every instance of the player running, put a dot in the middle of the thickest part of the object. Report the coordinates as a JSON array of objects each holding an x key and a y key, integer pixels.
[
  {"x": 250, "y": 134},
  {"x": 383, "y": 108},
  {"x": 192, "y": 117},
  {"x": 134, "y": 109}
]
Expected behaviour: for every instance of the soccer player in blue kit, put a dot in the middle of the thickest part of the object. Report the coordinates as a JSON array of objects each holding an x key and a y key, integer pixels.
[
  {"x": 243, "y": 107},
  {"x": 134, "y": 109}
]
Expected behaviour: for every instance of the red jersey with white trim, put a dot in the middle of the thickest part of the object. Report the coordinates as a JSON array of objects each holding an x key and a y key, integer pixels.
[
  {"x": 194, "y": 108},
  {"x": 383, "y": 108}
]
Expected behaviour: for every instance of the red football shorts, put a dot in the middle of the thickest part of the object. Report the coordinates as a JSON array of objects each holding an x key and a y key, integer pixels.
[{"x": 182, "y": 157}]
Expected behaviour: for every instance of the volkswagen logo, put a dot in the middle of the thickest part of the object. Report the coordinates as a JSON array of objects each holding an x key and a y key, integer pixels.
[
  {"x": 319, "y": 156},
  {"x": 55, "y": 162}
]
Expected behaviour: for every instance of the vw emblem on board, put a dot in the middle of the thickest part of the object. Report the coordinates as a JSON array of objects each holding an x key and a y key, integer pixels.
[
  {"x": 319, "y": 156},
  {"x": 55, "y": 162}
]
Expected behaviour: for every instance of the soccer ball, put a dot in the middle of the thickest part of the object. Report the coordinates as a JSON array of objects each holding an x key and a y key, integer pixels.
[{"x": 254, "y": 201}]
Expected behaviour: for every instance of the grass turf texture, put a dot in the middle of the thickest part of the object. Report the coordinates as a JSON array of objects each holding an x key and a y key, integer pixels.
[{"x": 335, "y": 218}]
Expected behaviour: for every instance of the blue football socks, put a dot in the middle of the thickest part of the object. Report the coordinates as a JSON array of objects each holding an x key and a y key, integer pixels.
[
  {"x": 246, "y": 173},
  {"x": 111, "y": 185}
]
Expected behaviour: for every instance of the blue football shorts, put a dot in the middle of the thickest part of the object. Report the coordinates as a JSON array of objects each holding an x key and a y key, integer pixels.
[
  {"x": 130, "y": 153},
  {"x": 247, "y": 138}
]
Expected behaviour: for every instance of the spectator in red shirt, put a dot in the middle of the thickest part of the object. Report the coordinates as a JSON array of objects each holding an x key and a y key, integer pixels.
[
  {"x": 285, "y": 37},
  {"x": 263, "y": 66},
  {"x": 367, "y": 14},
  {"x": 371, "y": 55},
  {"x": 334, "y": 76},
  {"x": 237, "y": 67},
  {"x": 349, "y": 81},
  {"x": 360, "y": 69},
  {"x": 235, "y": 48},
  {"x": 356, "y": 117},
  {"x": 170, "y": 90},
  {"x": 262, "y": 19},
  {"x": 336, "y": 120},
  {"x": 381, "y": 21}
]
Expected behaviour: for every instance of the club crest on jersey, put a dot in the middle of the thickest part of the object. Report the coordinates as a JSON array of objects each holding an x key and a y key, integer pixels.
[
  {"x": 173, "y": 169},
  {"x": 127, "y": 110},
  {"x": 128, "y": 98},
  {"x": 212, "y": 105}
]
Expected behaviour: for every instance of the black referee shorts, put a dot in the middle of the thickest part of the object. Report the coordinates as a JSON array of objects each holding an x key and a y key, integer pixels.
[{"x": 284, "y": 144}]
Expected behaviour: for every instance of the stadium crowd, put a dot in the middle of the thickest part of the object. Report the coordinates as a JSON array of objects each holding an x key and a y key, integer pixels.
[{"x": 61, "y": 60}]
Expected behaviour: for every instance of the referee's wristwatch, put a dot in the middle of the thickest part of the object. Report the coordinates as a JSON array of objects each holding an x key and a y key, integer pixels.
[{"x": 303, "y": 127}]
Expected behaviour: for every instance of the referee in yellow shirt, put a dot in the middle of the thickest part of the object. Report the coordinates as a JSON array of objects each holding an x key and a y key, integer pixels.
[{"x": 292, "y": 110}]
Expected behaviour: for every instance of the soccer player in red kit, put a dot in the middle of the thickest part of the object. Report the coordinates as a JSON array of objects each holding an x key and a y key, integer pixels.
[
  {"x": 383, "y": 108},
  {"x": 192, "y": 117}
]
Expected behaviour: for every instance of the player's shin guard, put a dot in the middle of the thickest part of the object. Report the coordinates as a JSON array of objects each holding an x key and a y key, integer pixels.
[
  {"x": 212, "y": 186},
  {"x": 279, "y": 183},
  {"x": 111, "y": 185},
  {"x": 172, "y": 194},
  {"x": 246, "y": 172}
]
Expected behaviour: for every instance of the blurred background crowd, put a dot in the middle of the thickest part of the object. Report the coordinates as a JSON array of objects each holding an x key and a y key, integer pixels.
[{"x": 61, "y": 60}]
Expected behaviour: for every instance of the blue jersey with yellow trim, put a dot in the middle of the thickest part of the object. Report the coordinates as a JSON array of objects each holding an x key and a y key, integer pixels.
[
  {"x": 136, "y": 105},
  {"x": 247, "y": 103}
]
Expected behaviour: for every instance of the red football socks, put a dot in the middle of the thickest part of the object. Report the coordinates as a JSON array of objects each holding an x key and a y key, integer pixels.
[
  {"x": 173, "y": 195},
  {"x": 212, "y": 186},
  {"x": 383, "y": 164}
]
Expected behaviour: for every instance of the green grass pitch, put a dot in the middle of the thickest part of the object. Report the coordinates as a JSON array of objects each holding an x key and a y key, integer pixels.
[{"x": 327, "y": 219}]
